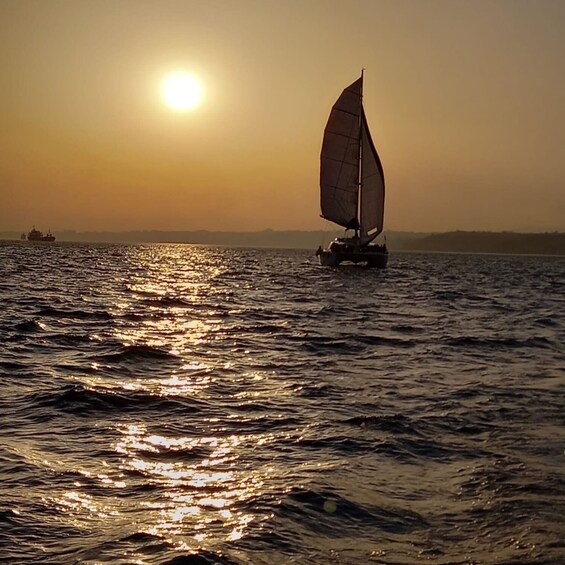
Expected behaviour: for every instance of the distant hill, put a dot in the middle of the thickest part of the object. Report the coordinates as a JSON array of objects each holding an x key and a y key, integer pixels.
[
  {"x": 491, "y": 242},
  {"x": 458, "y": 241}
]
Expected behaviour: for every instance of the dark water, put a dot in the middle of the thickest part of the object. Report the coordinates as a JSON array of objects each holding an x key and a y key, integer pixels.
[{"x": 183, "y": 404}]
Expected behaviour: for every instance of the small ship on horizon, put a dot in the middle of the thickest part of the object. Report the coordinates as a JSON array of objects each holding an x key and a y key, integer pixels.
[{"x": 36, "y": 235}]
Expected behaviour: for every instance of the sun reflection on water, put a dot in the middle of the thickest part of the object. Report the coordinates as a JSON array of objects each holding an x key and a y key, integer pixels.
[
  {"x": 197, "y": 379},
  {"x": 190, "y": 476},
  {"x": 200, "y": 489}
]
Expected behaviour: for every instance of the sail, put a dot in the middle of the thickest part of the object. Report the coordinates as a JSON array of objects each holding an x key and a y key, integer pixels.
[
  {"x": 372, "y": 187},
  {"x": 339, "y": 167}
]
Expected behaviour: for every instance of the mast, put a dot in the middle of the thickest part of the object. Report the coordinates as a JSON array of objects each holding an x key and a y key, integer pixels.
[{"x": 359, "y": 166}]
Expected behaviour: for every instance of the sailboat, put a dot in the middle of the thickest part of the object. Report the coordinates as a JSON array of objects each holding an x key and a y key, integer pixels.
[{"x": 352, "y": 185}]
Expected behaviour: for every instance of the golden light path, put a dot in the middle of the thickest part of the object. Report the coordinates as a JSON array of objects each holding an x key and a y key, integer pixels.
[
  {"x": 194, "y": 468},
  {"x": 196, "y": 495}
]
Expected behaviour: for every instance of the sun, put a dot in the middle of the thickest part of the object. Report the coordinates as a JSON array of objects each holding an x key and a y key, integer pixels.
[{"x": 182, "y": 91}]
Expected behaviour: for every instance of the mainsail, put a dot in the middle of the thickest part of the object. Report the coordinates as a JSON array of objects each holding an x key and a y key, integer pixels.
[{"x": 351, "y": 175}]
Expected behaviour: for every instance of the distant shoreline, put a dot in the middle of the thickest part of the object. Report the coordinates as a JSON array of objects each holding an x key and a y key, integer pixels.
[{"x": 552, "y": 243}]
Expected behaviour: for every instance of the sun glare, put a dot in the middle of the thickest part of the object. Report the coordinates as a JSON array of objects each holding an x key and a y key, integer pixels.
[{"x": 182, "y": 91}]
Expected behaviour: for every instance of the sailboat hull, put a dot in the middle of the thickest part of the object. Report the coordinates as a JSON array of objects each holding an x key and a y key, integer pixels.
[{"x": 375, "y": 256}]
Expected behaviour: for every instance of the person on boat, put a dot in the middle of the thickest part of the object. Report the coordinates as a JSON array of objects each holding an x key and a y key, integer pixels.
[{"x": 319, "y": 251}]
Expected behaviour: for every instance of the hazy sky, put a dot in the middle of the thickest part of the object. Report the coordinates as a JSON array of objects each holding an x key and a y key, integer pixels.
[{"x": 465, "y": 100}]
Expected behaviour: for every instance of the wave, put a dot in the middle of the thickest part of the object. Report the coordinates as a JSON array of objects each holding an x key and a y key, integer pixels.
[
  {"x": 498, "y": 343},
  {"x": 407, "y": 329},
  {"x": 82, "y": 400},
  {"x": 138, "y": 353},
  {"x": 70, "y": 339},
  {"x": 329, "y": 513},
  {"x": 169, "y": 302},
  {"x": 12, "y": 365},
  {"x": 397, "y": 424},
  {"x": 52, "y": 312},
  {"x": 29, "y": 326},
  {"x": 388, "y": 341},
  {"x": 336, "y": 443},
  {"x": 202, "y": 557},
  {"x": 309, "y": 390}
]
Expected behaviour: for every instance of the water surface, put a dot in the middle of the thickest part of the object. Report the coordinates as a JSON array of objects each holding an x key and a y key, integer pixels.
[{"x": 189, "y": 404}]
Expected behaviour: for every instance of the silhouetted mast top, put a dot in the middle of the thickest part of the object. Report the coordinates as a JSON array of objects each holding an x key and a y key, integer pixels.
[{"x": 352, "y": 186}]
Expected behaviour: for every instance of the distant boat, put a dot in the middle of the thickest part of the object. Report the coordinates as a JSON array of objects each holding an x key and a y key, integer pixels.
[
  {"x": 352, "y": 185},
  {"x": 36, "y": 235}
]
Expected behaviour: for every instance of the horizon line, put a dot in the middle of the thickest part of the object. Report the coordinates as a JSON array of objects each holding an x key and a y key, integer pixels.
[{"x": 202, "y": 230}]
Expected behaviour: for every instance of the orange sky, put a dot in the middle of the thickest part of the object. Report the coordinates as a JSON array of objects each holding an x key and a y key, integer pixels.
[{"x": 465, "y": 100}]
